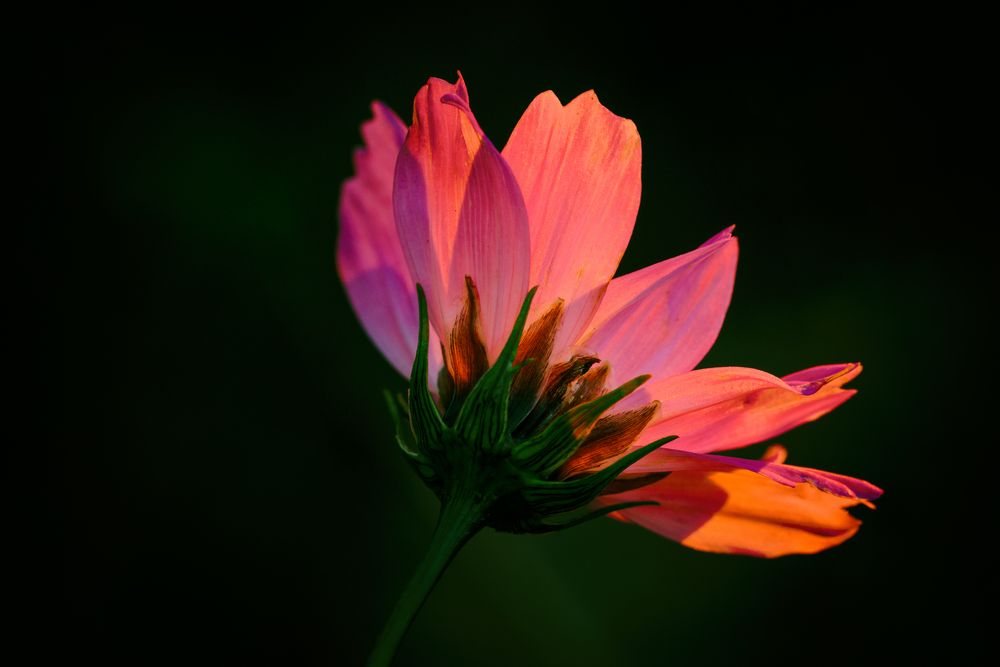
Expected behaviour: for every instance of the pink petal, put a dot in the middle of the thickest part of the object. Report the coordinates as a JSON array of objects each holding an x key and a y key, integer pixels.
[
  {"x": 369, "y": 257},
  {"x": 739, "y": 512},
  {"x": 714, "y": 409},
  {"x": 672, "y": 460},
  {"x": 663, "y": 319},
  {"x": 579, "y": 169},
  {"x": 459, "y": 212}
]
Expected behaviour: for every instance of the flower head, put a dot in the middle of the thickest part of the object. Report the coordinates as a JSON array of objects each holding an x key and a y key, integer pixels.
[{"x": 541, "y": 384}]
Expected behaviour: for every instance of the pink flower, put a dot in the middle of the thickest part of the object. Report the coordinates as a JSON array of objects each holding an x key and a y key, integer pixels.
[{"x": 437, "y": 204}]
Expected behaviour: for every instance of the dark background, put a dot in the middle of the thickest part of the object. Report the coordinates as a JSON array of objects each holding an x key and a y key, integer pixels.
[{"x": 224, "y": 487}]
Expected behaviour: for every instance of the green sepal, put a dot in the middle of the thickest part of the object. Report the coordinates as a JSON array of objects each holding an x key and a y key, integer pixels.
[
  {"x": 548, "y": 450},
  {"x": 425, "y": 419},
  {"x": 404, "y": 438},
  {"x": 556, "y": 497},
  {"x": 404, "y": 435},
  {"x": 482, "y": 421}
]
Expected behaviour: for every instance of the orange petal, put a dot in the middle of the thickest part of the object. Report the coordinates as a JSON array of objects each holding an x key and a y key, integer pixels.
[
  {"x": 772, "y": 466},
  {"x": 740, "y": 512}
]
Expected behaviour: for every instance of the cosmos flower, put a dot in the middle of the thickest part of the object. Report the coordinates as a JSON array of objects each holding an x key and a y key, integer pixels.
[{"x": 436, "y": 204}]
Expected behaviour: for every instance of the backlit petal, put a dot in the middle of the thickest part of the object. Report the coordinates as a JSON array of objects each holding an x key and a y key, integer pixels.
[
  {"x": 740, "y": 512},
  {"x": 459, "y": 212},
  {"x": 714, "y": 409},
  {"x": 673, "y": 460},
  {"x": 369, "y": 256},
  {"x": 579, "y": 169},
  {"x": 663, "y": 319}
]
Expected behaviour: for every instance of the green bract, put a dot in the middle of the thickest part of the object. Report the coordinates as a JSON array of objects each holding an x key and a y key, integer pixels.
[{"x": 474, "y": 460}]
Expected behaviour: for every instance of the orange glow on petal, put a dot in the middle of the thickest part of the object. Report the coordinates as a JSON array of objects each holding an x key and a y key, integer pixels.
[{"x": 741, "y": 512}]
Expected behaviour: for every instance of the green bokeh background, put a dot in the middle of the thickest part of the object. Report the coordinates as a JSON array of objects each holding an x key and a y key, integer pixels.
[{"x": 227, "y": 483}]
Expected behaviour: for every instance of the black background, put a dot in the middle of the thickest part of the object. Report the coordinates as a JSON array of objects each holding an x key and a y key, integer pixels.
[{"x": 224, "y": 488}]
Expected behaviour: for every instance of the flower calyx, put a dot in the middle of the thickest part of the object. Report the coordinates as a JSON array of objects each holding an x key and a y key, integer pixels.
[{"x": 526, "y": 444}]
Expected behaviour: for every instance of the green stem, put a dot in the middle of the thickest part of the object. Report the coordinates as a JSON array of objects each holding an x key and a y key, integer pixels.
[{"x": 460, "y": 519}]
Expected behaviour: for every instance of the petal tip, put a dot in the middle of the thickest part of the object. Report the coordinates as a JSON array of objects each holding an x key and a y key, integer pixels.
[
  {"x": 811, "y": 380},
  {"x": 721, "y": 237},
  {"x": 589, "y": 101},
  {"x": 775, "y": 454}
]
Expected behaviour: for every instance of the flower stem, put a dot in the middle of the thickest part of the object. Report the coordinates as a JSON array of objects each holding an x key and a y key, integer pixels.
[{"x": 459, "y": 520}]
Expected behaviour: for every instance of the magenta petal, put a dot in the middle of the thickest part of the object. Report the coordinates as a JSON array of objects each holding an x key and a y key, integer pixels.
[
  {"x": 715, "y": 409},
  {"x": 369, "y": 256},
  {"x": 459, "y": 212},
  {"x": 579, "y": 168},
  {"x": 663, "y": 319}
]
